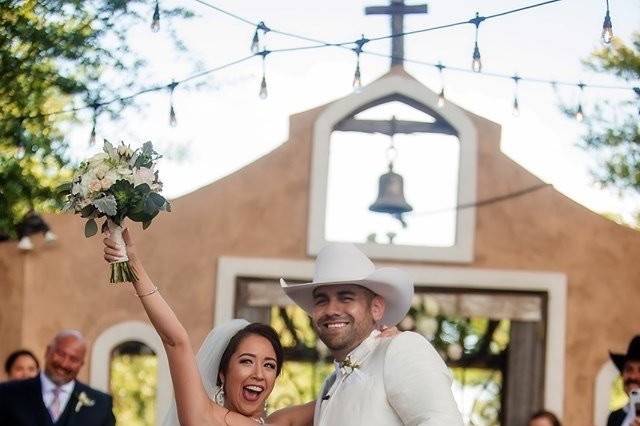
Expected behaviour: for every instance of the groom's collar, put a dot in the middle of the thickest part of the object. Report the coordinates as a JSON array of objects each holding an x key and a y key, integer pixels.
[
  {"x": 48, "y": 385},
  {"x": 360, "y": 352}
]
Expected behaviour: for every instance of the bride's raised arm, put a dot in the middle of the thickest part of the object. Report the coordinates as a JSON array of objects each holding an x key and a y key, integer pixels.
[{"x": 194, "y": 406}]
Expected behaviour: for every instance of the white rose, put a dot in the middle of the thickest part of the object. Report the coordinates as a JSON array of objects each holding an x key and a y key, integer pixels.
[
  {"x": 101, "y": 171},
  {"x": 95, "y": 186},
  {"x": 76, "y": 188},
  {"x": 143, "y": 175},
  {"x": 106, "y": 183},
  {"x": 98, "y": 158}
]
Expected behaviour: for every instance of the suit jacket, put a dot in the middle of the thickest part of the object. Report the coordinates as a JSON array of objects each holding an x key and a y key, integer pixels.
[
  {"x": 21, "y": 405},
  {"x": 400, "y": 381},
  {"x": 616, "y": 417}
]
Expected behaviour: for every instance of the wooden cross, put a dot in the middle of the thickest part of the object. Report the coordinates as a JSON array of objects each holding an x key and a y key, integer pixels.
[{"x": 396, "y": 9}]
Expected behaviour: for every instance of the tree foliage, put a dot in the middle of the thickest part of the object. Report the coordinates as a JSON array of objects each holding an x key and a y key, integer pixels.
[
  {"x": 613, "y": 130},
  {"x": 58, "y": 54}
]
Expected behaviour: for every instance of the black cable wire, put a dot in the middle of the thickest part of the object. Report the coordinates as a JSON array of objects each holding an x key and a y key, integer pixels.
[
  {"x": 485, "y": 202},
  {"x": 99, "y": 104},
  {"x": 321, "y": 44}
]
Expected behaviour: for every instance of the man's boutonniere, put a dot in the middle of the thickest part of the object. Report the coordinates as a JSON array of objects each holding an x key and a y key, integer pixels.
[
  {"x": 84, "y": 401},
  {"x": 348, "y": 366}
]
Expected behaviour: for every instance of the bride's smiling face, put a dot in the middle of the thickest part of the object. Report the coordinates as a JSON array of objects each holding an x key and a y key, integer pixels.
[{"x": 250, "y": 376}]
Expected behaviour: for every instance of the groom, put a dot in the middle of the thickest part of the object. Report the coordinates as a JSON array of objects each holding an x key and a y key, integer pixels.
[
  {"x": 390, "y": 381},
  {"x": 55, "y": 397}
]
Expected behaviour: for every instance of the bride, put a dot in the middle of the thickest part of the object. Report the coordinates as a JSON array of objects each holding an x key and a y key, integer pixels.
[{"x": 235, "y": 370}]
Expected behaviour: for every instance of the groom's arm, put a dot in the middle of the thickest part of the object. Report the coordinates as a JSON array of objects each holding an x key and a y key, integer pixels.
[{"x": 418, "y": 383}]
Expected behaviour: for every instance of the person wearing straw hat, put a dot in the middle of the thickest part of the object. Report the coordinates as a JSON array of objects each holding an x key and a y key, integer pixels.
[
  {"x": 399, "y": 380},
  {"x": 629, "y": 366}
]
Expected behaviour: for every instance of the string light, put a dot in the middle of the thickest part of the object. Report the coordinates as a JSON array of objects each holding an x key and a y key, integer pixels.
[
  {"x": 516, "y": 104},
  {"x": 476, "y": 63},
  {"x": 155, "y": 22},
  {"x": 320, "y": 43},
  {"x": 441, "y": 96},
  {"x": 357, "y": 78},
  {"x": 263, "y": 84},
  {"x": 94, "y": 122},
  {"x": 579, "y": 112},
  {"x": 173, "y": 121},
  {"x": 607, "y": 28},
  {"x": 255, "y": 42}
]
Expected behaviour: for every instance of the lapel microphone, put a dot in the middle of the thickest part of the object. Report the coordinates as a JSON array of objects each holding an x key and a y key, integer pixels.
[{"x": 326, "y": 397}]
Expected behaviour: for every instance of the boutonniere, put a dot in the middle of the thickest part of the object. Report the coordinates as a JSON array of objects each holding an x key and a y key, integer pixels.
[
  {"x": 84, "y": 401},
  {"x": 348, "y": 366}
]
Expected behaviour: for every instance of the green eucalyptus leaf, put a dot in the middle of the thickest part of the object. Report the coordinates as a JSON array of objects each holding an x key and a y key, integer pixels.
[
  {"x": 107, "y": 205},
  {"x": 87, "y": 211},
  {"x": 90, "y": 228}
]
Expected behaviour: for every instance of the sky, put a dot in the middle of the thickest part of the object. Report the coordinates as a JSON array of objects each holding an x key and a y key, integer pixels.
[{"x": 223, "y": 125}]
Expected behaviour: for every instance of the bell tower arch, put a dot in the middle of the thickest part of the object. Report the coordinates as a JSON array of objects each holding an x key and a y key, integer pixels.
[{"x": 448, "y": 120}]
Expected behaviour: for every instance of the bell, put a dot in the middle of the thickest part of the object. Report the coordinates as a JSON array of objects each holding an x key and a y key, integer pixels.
[{"x": 391, "y": 195}]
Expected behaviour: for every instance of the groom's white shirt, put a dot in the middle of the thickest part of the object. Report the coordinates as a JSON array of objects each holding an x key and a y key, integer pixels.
[{"x": 399, "y": 381}]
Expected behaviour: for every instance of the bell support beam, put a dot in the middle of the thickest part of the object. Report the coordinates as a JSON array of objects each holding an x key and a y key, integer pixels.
[{"x": 387, "y": 127}]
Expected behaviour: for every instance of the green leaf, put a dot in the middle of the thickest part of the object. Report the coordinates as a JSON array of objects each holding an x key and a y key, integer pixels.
[
  {"x": 90, "y": 228},
  {"x": 107, "y": 205},
  {"x": 65, "y": 188},
  {"x": 87, "y": 211},
  {"x": 158, "y": 200},
  {"x": 109, "y": 149}
]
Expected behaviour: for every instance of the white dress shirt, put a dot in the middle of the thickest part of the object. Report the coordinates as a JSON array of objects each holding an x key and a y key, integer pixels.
[
  {"x": 47, "y": 393},
  {"x": 398, "y": 381}
]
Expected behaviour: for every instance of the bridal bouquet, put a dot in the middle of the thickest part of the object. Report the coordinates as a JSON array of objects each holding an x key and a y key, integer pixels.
[{"x": 116, "y": 184}]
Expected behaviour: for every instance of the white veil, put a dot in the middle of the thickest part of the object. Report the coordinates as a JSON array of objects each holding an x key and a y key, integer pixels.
[{"x": 208, "y": 359}]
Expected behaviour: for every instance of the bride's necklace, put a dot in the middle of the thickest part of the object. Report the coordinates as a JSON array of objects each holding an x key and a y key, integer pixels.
[{"x": 258, "y": 420}]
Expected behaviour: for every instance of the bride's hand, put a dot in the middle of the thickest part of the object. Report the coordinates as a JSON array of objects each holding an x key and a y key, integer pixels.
[
  {"x": 114, "y": 252},
  {"x": 389, "y": 331}
]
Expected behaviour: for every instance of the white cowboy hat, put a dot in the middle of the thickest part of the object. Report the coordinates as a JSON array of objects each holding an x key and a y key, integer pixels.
[{"x": 343, "y": 263}]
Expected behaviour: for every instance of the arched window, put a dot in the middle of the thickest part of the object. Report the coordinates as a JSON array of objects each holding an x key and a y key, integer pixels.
[
  {"x": 417, "y": 144},
  {"x": 131, "y": 352},
  {"x": 133, "y": 382},
  {"x": 434, "y": 149}
]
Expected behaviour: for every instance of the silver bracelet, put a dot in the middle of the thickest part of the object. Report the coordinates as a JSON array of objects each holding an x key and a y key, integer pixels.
[{"x": 155, "y": 290}]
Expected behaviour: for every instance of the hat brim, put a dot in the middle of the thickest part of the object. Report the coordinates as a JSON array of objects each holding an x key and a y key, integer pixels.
[
  {"x": 394, "y": 285},
  {"x": 618, "y": 360}
]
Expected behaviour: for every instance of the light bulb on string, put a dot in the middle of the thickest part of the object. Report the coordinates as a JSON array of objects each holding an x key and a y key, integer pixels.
[
  {"x": 516, "y": 103},
  {"x": 607, "y": 28},
  {"x": 264, "y": 93},
  {"x": 476, "y": 63},
  {"x": 441, "y": 96},
  {"x": 94, "y": 123},
  {"x": 173, "y": 120},
  {"x": 579, "y": 112},
  {"x": 357, "y": 76},
  {"x": 255, "y": 41},
  {"x": 155, "y": 21}
]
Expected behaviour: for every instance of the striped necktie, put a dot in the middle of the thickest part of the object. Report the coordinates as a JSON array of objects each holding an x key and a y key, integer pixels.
[{"x": 54, "y": 407}]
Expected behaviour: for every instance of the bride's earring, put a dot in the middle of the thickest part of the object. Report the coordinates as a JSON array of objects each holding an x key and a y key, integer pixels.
[{"x": 219, "y": 395}]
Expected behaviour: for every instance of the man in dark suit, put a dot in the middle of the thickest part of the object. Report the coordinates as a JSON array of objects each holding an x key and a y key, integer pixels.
[
  {"x": 629, "y": 366},
  {"x": 55, "y": 397}
]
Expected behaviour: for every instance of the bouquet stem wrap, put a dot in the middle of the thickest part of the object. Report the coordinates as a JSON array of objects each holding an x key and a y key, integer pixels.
[{"x": 121, "y": 271}]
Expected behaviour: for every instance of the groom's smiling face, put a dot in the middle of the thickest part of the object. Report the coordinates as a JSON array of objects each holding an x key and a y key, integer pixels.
[{"x": 345, "y": 315}]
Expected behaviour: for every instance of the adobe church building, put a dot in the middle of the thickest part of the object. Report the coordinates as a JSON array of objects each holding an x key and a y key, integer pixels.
[{"x": 565, "y": 277}]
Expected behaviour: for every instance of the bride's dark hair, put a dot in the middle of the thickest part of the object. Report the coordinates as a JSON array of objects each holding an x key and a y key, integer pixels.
[{"x": 258, "y": 329}]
